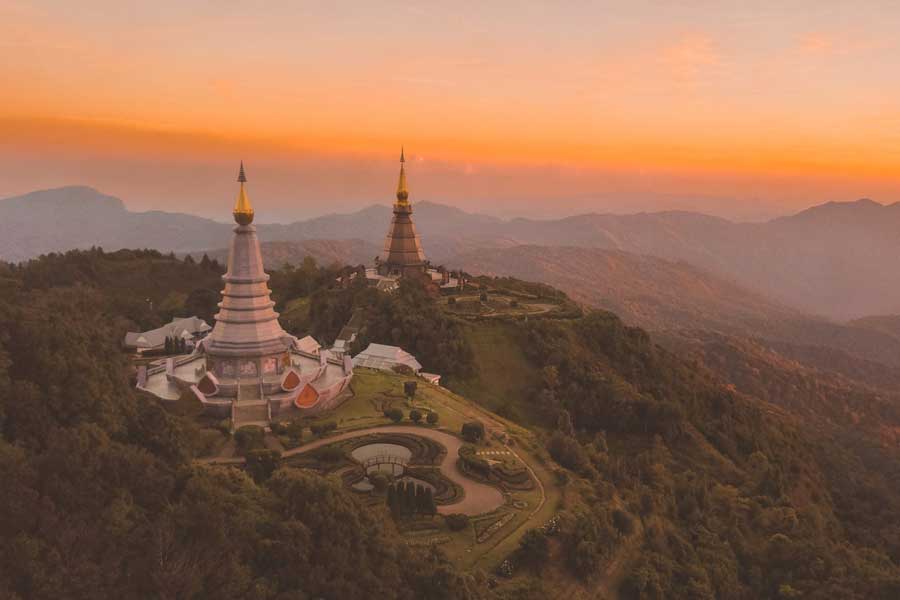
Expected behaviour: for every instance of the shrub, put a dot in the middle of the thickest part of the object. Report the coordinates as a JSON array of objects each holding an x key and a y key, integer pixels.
[
  {"x": 330, "y": 454},
  {"x": 415, "y": 415},
  {"x": 323, "y": 428},
  {"x": 394, "y": 414},
  {"x": 262, "y": 463},
  {"x": 294, "y": 430},
  {"x": 506, "y": 569},
  {"x": 249, "y": 437},
  {"x": 534, "y": 549},
  {"x": 483, "y": 297},
  {"x": 224, "y": 426},
  {"x": 568, "y": 452},
  {"x": 473, "y": 431},
  {"x": 456, "y": 521},
  {"x": 205, "y": 442},
  {"x": 276, "y": 427},
  {"x": 404, "y": 370},
  {"x": 432, "y": 418},
  {"x": 514, "y": 304},
  {"x": 623, "y": 522},
  {"x": 379, "y": 480},
  {"x": 469, "y": 458},
  {"x": 451, "y": 301},
  {"x": 409, "y": 389}
]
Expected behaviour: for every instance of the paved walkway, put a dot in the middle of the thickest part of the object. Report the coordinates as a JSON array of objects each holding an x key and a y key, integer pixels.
[
  {"x": 479, "y": 497},
  {"x": 492, "y": 424}
]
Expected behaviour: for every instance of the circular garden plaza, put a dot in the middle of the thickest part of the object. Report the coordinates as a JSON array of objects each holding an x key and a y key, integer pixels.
[{"x": 448, "y": 472}]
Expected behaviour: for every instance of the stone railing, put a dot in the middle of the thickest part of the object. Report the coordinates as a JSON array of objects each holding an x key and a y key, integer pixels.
[{"x": 384, "y": 459}]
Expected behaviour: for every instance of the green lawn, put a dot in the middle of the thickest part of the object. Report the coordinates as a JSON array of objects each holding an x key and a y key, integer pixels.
[
  {"x": 462, "y": 547},
  {"x": 497, "y": 304},
  {"x": 373, "y": 391},
  {"x": 505, "y": 378}
]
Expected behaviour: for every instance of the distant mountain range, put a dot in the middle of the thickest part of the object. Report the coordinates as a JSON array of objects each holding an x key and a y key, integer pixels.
[
  {"x": 646, "y": 291},
  {"x": 326, "y": 252},
  {"x": 678, "y": 298},
  {"x": 652, "y": 293},
  {"x": 836, "y": 260}
]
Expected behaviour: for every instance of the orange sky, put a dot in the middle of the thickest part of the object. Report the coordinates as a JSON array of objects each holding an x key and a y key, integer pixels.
[{"x": 507, "y": 108}]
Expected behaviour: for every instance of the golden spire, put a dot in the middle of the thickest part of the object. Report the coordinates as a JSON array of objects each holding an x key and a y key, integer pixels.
[
  {"x": 402, "y": 192},
  {"x": 243, "y": 212}
]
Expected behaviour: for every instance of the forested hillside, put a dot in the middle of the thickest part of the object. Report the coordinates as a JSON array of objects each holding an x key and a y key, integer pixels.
[
  {"x": 646, "y": 291},
  {"x": 684, "y": 475},
  {"x": 737, "y": 496},
  {"x": 100, "y": 498}
]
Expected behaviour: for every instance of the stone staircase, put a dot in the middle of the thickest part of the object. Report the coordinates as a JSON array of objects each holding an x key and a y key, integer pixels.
[
  {"x": 250, "y": 408},
  {"x": 251, "y": 413}
]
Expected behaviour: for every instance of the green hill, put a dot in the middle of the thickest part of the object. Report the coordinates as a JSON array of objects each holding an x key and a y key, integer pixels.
[
  {"x": 697, "y": 471},
  {"x": 742, "y": 489}
]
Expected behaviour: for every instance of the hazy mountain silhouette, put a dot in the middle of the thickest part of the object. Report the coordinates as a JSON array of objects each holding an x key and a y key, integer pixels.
[
  {"x": 658, "y": 294},
  {"x": 326, "y": 252},
  {"x": 646, "y": 291},
  {"x": 836, "y": 259},
  {"x": 81, "y": 217}
]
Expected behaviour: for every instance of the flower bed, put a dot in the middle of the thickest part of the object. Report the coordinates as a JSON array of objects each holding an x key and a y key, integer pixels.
[{"x": 486, "y": 528}]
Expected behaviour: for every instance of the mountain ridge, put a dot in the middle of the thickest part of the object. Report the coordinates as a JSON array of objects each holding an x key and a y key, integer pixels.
[{"x": 833, "y": 259}]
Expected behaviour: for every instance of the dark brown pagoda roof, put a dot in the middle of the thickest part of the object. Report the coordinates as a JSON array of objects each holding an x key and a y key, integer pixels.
[{"x": 402, "y": 247}]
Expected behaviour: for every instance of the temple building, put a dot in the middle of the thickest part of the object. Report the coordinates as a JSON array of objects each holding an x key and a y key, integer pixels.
[
  {"x": 189, "y": 329},
  {"x": 403, "y": 255},
  {"x": 248, "y": 367}
]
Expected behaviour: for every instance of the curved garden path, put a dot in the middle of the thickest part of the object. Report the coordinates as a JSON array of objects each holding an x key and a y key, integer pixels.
[{"x": 479, "y": 497}]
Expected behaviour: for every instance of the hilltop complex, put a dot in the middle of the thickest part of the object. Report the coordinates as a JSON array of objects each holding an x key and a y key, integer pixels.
[{"x": 248, "y": 367}]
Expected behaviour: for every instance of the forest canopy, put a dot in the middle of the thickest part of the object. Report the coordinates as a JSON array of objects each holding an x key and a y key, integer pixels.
[
  {"x": 100, "y": 498},
  {"x": 723, "y": 494}
]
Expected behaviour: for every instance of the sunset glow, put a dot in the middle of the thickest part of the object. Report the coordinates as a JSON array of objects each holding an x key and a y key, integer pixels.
[{"x": 528, "y": 108}]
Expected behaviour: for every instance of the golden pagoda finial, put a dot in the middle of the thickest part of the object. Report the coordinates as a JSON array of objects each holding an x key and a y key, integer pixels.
[
  {"x": 402, "y": 192},
  {"x": 243, "y": 212}
]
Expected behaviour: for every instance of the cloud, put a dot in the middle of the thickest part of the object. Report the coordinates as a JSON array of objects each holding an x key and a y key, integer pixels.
[
  {"x": 15, "y": 8},
  {"x": 844, "y": 43},
  {"x": 425, "y": 81},
  {"x": 691, "y": 57},
  {"x": 817, "y": 43}
]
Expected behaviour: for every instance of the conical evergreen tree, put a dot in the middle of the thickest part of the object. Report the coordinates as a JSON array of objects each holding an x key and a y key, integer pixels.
[
  {"x": 430, "y": 506},
  {"x": 392, "y": 501},
  {"x": 420, "y": 499},
  {"x": 411, "y": 497},
  {"x": 401, "y": 497}
]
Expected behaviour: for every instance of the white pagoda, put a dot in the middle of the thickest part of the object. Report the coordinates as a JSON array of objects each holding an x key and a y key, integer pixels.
[{"x": 248, "y": 367}]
